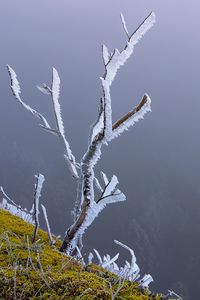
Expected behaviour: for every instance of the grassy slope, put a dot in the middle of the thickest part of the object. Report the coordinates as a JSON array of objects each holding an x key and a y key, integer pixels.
[{"x": 37, "y": 271}]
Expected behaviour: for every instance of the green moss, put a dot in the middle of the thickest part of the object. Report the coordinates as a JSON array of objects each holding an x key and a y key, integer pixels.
[{"x": 38, "y": 271}]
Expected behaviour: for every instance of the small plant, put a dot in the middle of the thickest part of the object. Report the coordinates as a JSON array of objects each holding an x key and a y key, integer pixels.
[{"x": 92, "y": 196}]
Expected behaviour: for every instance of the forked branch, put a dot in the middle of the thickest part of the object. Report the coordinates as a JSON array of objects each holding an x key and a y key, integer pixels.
[
  {"x": 102, "y": 132},
  {"x": 54, "y": 93}
]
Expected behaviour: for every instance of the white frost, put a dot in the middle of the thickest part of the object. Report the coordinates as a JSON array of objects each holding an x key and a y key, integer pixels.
[
  {"x": 16, "y": 92},
  {"x": 9, "y": 205},
  {"x": 55, "y": 90},
  {"x": 132, "y": 120},
  {"x": 44, "y": 89},
  {"x": 47, "y": 223},
  {"x": 104, "y": 177},
  {"x": 146, "y": 280},
  {"x": 37, "y": 194},
  {"x": 106, "y": 55},
  {"x": 110, "y": 187},
  {"x": 130, "y": 271},
  {"x": 117, "y": 60},
  {"x": 124, "y": 25},
  {"x": 98, "y": 127}
]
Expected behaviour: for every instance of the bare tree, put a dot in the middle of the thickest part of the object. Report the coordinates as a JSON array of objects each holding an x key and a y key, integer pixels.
[{"x": 87, "y": 205}]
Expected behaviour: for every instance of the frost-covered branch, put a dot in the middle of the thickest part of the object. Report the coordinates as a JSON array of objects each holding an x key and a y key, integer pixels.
[
  {"x": 47, "y": 224},
  {"x": 172, "y": 293},
  {"x": 37, "y": 193},
  {"x": 110, "y": 193},
  {"x": 16, "y": 210},
  {"x": 132, "y": 117},
  {"x": 15, "y": 87},
  {"x": 113, "y": 62},
  {"x": 130, "y": 271},
  {"x": 54, "y": 92},
  {"x": 103, "y": 131},
  {"x": 124, "y": 25}
]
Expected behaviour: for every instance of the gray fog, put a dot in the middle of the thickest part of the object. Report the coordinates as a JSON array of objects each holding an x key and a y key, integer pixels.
[{"x": 157, "y": 161}]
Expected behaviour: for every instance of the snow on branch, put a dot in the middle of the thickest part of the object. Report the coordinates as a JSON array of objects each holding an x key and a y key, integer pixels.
[
  {"x": 124, "y": 25},
  {"x": 110, "y": 194},
  {"x": 98, "y": 256},
  {"x": 116, "y": 60},
  {"x": 110, "y": 188},
  {"x": 130, "y": 271},
  {"x": 145, "y": 281},
  {"x": 15, "y": 87},
  {"x": 132, "y": 117},
  {"x": 133, "y": 266},
  {"x": 142, "y": 28},
  {"x": 9, "y": 205},
  {"x": 172, "y": 293},
  {"x": 109, "y": 261},
  {"x": 47, "y": 223},
  {"x": 54, "y": 92},
  {"x": 105, "y": 178},
  {"x": 98, "y": 127},
  {"x": 37, "y": 193},
  {"x": 97, "y": 184},
  {"x": 105, "y": 54}
]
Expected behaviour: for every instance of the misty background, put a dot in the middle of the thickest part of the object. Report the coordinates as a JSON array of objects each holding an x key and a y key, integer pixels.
[{"x": 157, "y": 161}]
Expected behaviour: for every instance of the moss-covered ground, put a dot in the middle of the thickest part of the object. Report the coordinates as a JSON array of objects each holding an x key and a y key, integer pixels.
[{"x": 39, "y": 271}]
